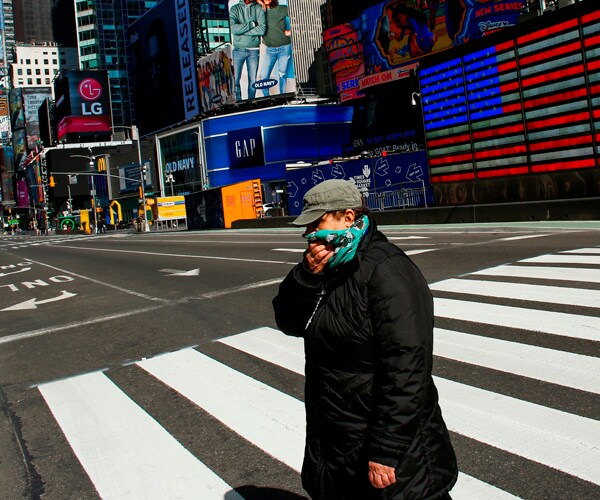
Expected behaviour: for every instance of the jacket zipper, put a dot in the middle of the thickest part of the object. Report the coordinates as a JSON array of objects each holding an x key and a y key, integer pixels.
[{"x": 321, "y": 295}]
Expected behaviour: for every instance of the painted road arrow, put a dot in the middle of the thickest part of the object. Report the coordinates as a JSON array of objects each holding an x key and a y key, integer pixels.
[
  {"x": 22, "y": 270},
  {"x": 34, "y": 303},
  {"x": 177, "y": 272}
]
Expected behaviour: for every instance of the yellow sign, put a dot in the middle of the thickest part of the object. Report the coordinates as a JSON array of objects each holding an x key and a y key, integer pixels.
[{"x": 171, "y": 207}]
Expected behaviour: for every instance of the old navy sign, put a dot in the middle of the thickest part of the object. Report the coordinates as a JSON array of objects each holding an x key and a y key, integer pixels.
[{"x": 245, "y": 148}]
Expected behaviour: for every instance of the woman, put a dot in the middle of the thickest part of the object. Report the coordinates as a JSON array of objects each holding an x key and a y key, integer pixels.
[
  {"x": 278, "y": 44},
  {"x": 374, "y": 427}
]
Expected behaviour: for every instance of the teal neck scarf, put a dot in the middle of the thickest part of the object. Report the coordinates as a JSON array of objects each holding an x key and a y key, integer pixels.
[{"x": 344, "y": 241}]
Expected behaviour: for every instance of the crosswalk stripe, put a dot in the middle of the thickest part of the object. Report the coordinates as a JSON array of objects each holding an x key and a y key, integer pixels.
[
  {"x": 255, "y": 411},
  {"x": 125, "y": 452},
  {"x": 555, "y": 323},
  {"x": 273, "y": 346},
  {"x": 564, "y": 259},
  {"x": 292, "y": 250},
  {"x": 469, "y": 488},
  {"x": 587, "y": 275},
  {"x": 592, "y": 250},
  {"x": 524, "y": 237},
  {"x": 521, "y": 291},
  {"x": 558, "y": 367},
  {"x": 560, "y": 440},
  {"x": 554, "y": 438}
]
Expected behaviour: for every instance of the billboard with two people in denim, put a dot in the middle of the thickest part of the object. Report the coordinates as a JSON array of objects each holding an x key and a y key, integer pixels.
[{"x": 261, "y": 50}]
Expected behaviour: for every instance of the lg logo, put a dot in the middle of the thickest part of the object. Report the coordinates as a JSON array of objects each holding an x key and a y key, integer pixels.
[{"x": 90, "y": 90}]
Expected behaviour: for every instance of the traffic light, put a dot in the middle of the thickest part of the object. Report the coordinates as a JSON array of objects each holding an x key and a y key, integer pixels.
[{"x": 51, "y": 182}]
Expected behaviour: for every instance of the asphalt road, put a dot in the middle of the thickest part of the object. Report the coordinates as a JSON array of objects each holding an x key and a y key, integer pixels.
[{"x": 146, "y": 365}]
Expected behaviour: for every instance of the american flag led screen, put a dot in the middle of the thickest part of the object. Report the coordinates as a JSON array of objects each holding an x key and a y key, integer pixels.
[{"x": 522, "y": 106}]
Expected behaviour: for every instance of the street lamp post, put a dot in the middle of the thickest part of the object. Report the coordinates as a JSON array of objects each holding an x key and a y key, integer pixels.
[{"x": 135, "y": 135}]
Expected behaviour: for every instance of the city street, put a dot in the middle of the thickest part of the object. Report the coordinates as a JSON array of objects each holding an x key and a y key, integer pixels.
[{"x": 149, "y": 365}]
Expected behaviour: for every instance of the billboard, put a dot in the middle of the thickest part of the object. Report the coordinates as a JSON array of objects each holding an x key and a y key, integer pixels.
[
  {"x": 396, "y": 33},
  {"x": 163, "y": 69},
  {"x": 83, "y": 105},
  {"x": 33, "y": 98},
  {"x": 374, "y": 174},
  {"x": 216, "y": 84},
  {"x": 261, "y": 52}
]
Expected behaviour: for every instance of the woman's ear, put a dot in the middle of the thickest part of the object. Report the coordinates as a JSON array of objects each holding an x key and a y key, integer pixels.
[{"x": 349, "y": 217}]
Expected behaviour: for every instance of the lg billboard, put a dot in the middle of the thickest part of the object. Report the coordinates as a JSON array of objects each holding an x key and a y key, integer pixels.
[{"x": 83, "y": 108}]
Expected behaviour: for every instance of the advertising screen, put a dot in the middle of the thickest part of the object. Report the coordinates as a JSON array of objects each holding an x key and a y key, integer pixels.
[
  {"x": 262, "y": 55},
  {"x": 528, "y": 106},
  {"x": 163, "y": 69},
  {"x": 216, "y": 84},
  {"x": 83, "y": 105},
  {"x": 396, "y": 33},
  {"x": 33, "y": 98},
  {"x": 376, "y": 174}
]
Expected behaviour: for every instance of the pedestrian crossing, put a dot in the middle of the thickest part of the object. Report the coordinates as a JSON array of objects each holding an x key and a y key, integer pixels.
[{"x": 127, "y": 453}]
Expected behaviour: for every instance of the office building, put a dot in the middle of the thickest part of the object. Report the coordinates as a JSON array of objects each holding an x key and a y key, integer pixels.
[{"x": 101, "y": 40}]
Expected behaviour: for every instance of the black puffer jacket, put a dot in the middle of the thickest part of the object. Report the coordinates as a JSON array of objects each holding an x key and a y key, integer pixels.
[{"x": 369, "y": 391}]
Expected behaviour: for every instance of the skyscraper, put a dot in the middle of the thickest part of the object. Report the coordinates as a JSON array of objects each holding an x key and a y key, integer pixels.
[
  {"x": 101, "y": 39},
  {"x": 33, "y": 20},
  {"x": 8, "y": 31}
]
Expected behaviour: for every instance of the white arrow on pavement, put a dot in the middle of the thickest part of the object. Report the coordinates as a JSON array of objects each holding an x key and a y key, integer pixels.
[
  {"x": 15, "y": 272},
  {"x": 33, "y": 303},
  {"x": 178, "y": 272}
]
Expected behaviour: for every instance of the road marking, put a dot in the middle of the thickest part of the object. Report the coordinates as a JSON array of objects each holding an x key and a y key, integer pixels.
[
  {"x": 524, "y": 237},
  {"x": 587, "y": 275},
  {"x": 293, "y": 250},
  {"x": 242, "y": 288},
  {"x": 22, "y": 270},
  {"x": 158, "y": 254},
  {"x": 423, "y": 250},
  {"x": 555, "y": 323},
  {"x": 560, "y": 440},
  {"x": 566, "y": 442},
  {"x": 409, "y": 237},
  {"x": 521, "y": 291},
  {"x": 273, "y": 346},
  {"x": 179, "y": 272},
  {"x": 257, "y": 412},
  {"x": 469, "y": 488},
  {"x": 583, "y": 250},
  {"x": 103, "y": 283},
  {"x": 34, "y": 303},
  {"x": 564, "y": 259},
  {"x": 144, "y": 460},
  {"x": 557, "y": 367}
]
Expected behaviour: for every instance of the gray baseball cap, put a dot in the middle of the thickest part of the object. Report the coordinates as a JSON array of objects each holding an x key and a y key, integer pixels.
[{"x": 328, "y": 196}]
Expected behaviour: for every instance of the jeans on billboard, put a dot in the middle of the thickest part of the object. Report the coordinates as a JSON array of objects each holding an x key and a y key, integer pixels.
[
  {"x": 250, "y": 57},
  {"x": 281, "y": 56}
]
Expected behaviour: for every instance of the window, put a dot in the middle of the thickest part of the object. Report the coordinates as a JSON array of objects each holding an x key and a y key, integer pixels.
[
  {"x": 38, "y": 81},
  {"x": 29, "y": 81},
  {"x": 29, "y": 71},
  {"x": 45, "y": 61},
  {"x": 20, "y": 71}
]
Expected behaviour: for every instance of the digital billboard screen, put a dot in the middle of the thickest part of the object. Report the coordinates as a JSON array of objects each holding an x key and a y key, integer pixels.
[
  {"x": 261, "y": 53},
  {"x": 33, "y": 98},
  {"x": 398, "y": 33},
  {"x": 163, "y": 67},
  {"x": 531, "y": 105},
  {"x": 83, "y": 106}
]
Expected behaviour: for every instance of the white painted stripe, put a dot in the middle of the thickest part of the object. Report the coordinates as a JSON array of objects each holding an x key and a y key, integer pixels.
[
  {"x": 554, "y": 438},
  {"x": 526, "y": 237},
  {"x": 555, "y": 323},
  {"x": 469, "y": 488},
  {"x": 268, "y": 418},
  {"x": 557, "y": 367},
  {"x": 415, "y": 252},
  {"x": 242, "y": 288},
  {"x": 566, "y": 442},
  {"x": 272, "y": 346},
  {"x": 293, "y": 250},
  {"x": 564, "y": 259},
  {"x": 409, "y": 237},
  {"x": 583, "y": 250},
  {"x": 546, "y": 273},
  {"x": 125, "y": 452},
  {"x": 521, "y": 291}
]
